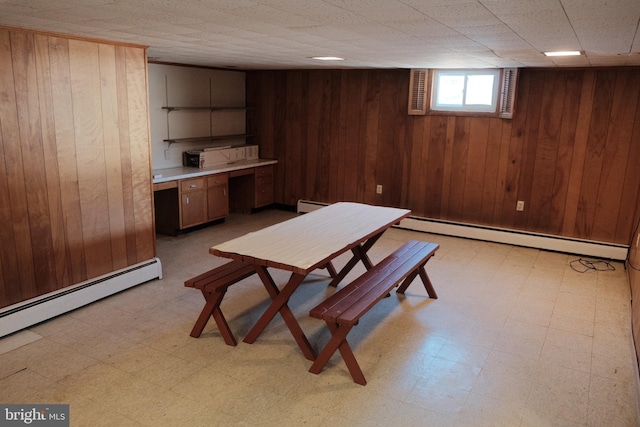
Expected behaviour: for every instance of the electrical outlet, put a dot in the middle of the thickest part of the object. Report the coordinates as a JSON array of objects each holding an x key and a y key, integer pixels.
[
  {"x": 520, "y": 205},
  {"x": 167, "y": 154},
  {"x": 378, "y": 189}
]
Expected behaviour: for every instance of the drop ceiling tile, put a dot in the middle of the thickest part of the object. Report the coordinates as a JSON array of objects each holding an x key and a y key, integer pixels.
[
  {"x": 553, "y": 44},
  {"x": 570, "y": 61},
  {"x": 378, "y": 32},
  {"x": 26, "y": 6},
  {"x": 508, "y": 45},
  {"x": 328, "y": 32},
  {"x": 342, "y": 18},
  {"x": 510, "y": 7},
  {"x": 473, "y": 11},
  {"x": 304, "y": 8},
  {"x": 455, "y": 42},
  {"x": 423, "y": 27},
  {"x": 607, "y": 10},
  {"x": 488, "y": 29},
  {"x": 107, "y": 26},
  {"x": 606, "y": 37},
  {"x": 62, "y": 15},
  {"x": 90, "y": 12}
]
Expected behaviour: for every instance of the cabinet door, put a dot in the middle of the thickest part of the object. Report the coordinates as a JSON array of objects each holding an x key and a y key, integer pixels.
[
  {"x": 264, "y": 186},
  {"x": 193, "y": 202},
  {"x": 217, "y": 196}
]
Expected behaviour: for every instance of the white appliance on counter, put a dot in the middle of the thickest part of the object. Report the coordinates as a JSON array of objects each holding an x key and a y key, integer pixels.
[{"x": 209, "y": 157}]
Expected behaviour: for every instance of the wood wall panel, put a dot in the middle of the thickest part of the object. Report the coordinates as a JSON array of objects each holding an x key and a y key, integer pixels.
[
  {"x": 51, "y": 169},
  {"x": 124, "y": 137},
  {"x": 84, "y": 60},
  {"x": 74, "y": 162},
  {"x": 10, "y": 137},
  {"x": 139, "y": 162},
  {"x": 113, "y": 172},
  {"x": 579, "y": 153},
  {"x": 67, "y": 169},
  {"x": 566, "y": 152},
  {"x": 15, "y": 166}
]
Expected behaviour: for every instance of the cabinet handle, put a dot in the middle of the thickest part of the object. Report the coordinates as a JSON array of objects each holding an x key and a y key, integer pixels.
[
  {"x": 187, "y": 201},
  {"x": 224, "y": 191},
  {"x": 192, "y": 186}
]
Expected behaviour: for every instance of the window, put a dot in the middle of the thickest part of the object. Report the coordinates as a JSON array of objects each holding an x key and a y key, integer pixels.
[{"x": 465, "y": 90}]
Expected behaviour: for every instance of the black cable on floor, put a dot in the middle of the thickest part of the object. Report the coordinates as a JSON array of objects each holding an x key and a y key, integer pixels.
[{"x": 584, "y": 265}]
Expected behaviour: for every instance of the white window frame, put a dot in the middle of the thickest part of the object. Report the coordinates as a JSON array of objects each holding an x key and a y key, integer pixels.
[{"x": 466, "y": 108}]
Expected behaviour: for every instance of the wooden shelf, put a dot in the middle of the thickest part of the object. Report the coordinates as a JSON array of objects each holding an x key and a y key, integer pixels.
[
  {"x": 170, "y": 109},
  {"x": 207, "y": 138}
]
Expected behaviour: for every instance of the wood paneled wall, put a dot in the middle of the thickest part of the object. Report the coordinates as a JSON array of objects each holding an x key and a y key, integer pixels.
[
  {"x": 571, "y": 151},
  {"x": 75, "y": 167}
]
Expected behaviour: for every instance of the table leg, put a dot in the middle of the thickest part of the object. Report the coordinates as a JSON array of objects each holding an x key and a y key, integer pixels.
[
  {"x": 279, "y": 304},
  {"x": 359, "y": 254},
  {"x": 331, "y": 269}
]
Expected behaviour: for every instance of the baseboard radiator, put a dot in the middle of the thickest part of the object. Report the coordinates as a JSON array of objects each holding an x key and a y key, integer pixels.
[
  {"x": 499, "y": 235},
  {"x": 30, "y": 312}
]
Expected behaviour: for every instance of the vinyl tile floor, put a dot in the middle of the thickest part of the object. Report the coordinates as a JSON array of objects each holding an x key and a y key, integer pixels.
[{"x": 517, "y": 337}]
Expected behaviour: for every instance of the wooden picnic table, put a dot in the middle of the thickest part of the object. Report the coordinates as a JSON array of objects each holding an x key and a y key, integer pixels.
[{"x": 303, "y": 244}]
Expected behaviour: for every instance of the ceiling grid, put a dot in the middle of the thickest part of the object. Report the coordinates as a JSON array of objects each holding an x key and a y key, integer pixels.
[{"x": 277, "y": 34}]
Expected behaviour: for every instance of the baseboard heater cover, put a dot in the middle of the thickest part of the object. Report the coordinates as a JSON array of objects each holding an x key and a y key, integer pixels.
[
  {"x": 498, "y": 235},
  {"x": 30, "y": 312}
]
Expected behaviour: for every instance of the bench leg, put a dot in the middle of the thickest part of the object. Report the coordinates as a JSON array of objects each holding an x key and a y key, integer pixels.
[
  {"x": 206, "y": 312},
  {"x": 406, "y": 282},
  {"x": 425, "y": 281},
  {"x": 339, "y": 342},
  {"x": 212, "y": 308}
]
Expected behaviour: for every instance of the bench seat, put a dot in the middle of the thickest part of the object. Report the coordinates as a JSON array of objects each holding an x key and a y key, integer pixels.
[
  {"x": 214, "y": 284},
  {"x": 342, "y": 310}
]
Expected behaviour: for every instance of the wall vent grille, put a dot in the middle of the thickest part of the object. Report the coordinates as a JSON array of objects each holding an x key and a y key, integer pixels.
[
  {"x": 508, "y": 93},
  {"x": 418, "y": 92}
]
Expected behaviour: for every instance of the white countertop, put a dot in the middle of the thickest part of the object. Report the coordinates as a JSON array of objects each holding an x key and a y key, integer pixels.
[{"x": 182, "y": 172}]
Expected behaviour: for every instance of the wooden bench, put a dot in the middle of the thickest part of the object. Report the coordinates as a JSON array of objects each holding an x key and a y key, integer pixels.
[
  {"x": 214, "y": 284},
  {"x": 343, "y": 310}
]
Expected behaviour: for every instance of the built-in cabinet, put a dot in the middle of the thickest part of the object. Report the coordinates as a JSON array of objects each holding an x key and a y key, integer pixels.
[
  {"x": 263, "y": 192},
  {"x": 185, "y": 203},
  {"x": 252, "y": 189},
  {"x": 217, "y": 196},
  {"x": 203, "y": 199},
  {"x": 193, "y": 202}
]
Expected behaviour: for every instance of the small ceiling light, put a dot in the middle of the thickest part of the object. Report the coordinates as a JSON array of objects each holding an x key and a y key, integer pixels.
[
  {"x": 327, "y": 58},
  {"x": 564, "y": 53}
]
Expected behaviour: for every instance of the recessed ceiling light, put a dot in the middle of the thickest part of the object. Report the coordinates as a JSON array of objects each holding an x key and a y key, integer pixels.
[
  {"x": 327, "y": 58},
  {"x": 564, "y": 53}
]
